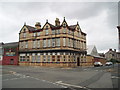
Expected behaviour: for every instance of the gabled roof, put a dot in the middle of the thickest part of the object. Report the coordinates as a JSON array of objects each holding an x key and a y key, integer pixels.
[
  {"x": 30, "y": 28},
  {"x": 72, "y": 26},
  {"x": 92, "y": 50},
  {"x": 52, "y": 26},
  {"x": 12, "y": 44}
]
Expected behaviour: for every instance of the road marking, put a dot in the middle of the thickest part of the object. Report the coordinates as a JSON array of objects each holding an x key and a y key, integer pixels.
[
  {"x": 60, "y": 82},
  {"x": 13, "y": 79}
]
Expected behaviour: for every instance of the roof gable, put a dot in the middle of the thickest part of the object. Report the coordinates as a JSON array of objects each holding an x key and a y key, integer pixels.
[{"x": 92, "y": 50}]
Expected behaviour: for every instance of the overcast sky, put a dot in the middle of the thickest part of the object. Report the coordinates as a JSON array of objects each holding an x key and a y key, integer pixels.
[{"x": 97, "y": 19}]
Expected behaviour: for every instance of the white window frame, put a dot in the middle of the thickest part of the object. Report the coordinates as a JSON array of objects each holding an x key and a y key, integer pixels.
[
  {"x": 44, "y": 43},
  {"x": 38, "y": 43},
  {"x": 53, "y": 42},
  {"x": 49, "y": 43},
  {"x": 64, "y": 41},
  {"x": 57, "y": 41},
  {"x": 46, "y": 32}
]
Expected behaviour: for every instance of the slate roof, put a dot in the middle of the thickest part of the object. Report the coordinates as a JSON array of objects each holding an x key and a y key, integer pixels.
[
  {"x": 53, "y": 27},
  {"x": 10, "y": 44},
  {"x": 72, "y": 26},
  {"x": 30, "y": 28}
]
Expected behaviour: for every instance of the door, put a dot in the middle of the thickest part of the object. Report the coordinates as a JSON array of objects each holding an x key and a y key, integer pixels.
[
  {"x": 78, "y": 61},
  {"x": 11, "y": 61}
]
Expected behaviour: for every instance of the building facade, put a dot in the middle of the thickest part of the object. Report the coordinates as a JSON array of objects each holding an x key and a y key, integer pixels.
[
  {"x": 52, "y": 45},
  {"x": 111, "y": 54},
  {"x": 10, "y": 54}
]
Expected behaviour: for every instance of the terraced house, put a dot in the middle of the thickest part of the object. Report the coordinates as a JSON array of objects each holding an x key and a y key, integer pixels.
[{"x": 52, "y": 45}]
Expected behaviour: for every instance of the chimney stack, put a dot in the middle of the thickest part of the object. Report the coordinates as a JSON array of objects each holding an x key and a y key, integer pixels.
[
  {"x": 57, "y": 22},
  {"x": 37, "y": 25}
]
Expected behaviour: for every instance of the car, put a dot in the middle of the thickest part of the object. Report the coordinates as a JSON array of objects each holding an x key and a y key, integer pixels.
[
  {"x": 108, "y": 63},
  {"x": 97, "y": 64}
]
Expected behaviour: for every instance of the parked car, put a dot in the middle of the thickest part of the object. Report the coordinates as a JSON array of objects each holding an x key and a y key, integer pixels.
[
  {"x": 96, "y": 64},
  {"x": 108, "y": 63}
]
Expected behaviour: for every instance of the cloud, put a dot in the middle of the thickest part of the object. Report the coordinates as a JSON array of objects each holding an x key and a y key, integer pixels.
[{"x": 97, "y": 19}]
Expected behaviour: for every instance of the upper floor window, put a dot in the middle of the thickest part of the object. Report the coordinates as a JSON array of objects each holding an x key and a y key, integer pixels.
[
  {"x": 53, "y": 42},
  {"x": 26, "y": 44},
  {"x": 46, "y": 32},
  {"x": 53, "y": 32},
  {"x": 44, "y": 43},
  {"x": 34, "y": 34},
  {"x": 46, "y": 27},
  {"x": 64, "y": 30},
  {"x": 49, "y": 43},
  {"x": 38, "y": 43},
  {"x": 57, "y": 41},
  {"x": 38, "y": 34},
  {"x": 34, "y": 44},
  {"x": 64, "y": 25},
  {"x": 64, "y": 41},
  {"x": 69, "y": 43},
  {"x": 58, "y": 31}
]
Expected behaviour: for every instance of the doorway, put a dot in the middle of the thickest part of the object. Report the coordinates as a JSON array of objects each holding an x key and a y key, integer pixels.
[
  {"x": 11, "y": 61},
  {"x": 78, "y": 61}
]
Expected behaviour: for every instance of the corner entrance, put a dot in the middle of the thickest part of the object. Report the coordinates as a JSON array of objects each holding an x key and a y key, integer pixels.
[{"x": 78, "y": 61}]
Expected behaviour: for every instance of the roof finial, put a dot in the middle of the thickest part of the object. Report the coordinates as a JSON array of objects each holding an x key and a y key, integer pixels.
[
  {"x": 77, "y": 23},
  {"x": 24, "y": 23},
  {"x": 64, "y": 18},
  {"x": 46, "y": 20}
]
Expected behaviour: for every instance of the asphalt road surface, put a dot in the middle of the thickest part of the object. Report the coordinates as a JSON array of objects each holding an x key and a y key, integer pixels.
[{"x": 88, "y": 78}]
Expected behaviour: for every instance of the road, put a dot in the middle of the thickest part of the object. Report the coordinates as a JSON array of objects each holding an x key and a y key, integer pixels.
[{"x": 50, "y": 77}]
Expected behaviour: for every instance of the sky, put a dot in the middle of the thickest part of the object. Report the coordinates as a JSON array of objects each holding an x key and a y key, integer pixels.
[{"x": 97, "y": 19}]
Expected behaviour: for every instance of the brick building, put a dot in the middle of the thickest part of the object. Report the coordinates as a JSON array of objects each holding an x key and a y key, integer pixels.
[
  {"x": 52, "y": 45},
  {"x": 10, "y": 54}
]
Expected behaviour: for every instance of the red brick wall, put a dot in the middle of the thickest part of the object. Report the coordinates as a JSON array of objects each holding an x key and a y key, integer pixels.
[{"x": 7, "y": 59}]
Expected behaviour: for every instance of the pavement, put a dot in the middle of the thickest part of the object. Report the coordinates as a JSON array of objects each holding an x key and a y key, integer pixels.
[{"x": 86, "y": 78}]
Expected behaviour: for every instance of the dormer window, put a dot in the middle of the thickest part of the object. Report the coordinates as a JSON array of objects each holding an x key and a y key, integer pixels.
[
  {"x": 24, "y": 34},
  {"x": 64, "y": 25},
  {"x": 46, "y": 27},
  {"x": 46, "y": 32},
  {"x": 24, "y": 30}
]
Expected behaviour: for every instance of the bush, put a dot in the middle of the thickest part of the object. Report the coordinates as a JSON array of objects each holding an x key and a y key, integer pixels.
[{"x": 114, "y": 61}]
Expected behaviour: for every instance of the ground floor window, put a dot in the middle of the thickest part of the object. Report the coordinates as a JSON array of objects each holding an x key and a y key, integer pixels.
[
  {"x": 44, "y": 58},
  {"x": 64, "y": 58},
  {"x": 38, "y": 58},
  {"x": 27, "y": 58},
  {"x": 58, "y": 58},
  {"x": 33, "y": 58},
  {"x": 22, "y": 58},
  {"x": 48, "y": 58},
  {"x": 53, "y": 58}
]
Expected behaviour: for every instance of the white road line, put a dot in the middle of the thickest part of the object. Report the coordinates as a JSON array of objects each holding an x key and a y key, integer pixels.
[
  {"x": 60, "y": 82},
  {"x": 13, "y": 79}
]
